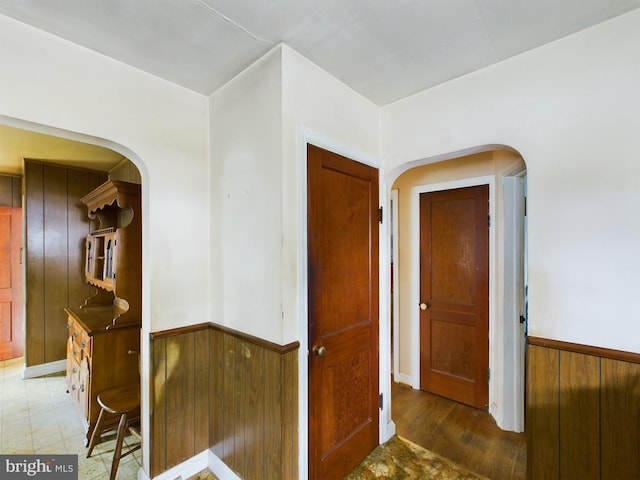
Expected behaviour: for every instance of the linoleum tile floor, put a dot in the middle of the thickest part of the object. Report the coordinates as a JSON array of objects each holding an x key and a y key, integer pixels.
[{"x": 38, "y": 416}]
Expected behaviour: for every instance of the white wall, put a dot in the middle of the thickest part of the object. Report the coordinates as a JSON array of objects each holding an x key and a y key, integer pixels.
[
  {"x": 246, "y": 187},
  {"x": 51, "y": 82},
  {"x": 571, "y": 109},
  {"x": 57, "y": 87},
  {"x": 317, "y": 109},
  {"x": 260, "y": 123}
]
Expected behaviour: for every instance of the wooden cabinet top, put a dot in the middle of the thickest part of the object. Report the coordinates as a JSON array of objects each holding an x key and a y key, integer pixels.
[
  {"x": 99, "y": 319},
  {"x": 123, "y": 193}
]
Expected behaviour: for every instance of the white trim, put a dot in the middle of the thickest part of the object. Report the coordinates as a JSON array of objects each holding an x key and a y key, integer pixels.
[
  {"x": 513, "y": 304},
  {"x": 395, "y": 234},
  {"x": 327, "y": 143},
  {"x": 398, "y": 376},
  {"x": 44, "y": 369},
  {"x": 303, "y": 280},
  {"x": 415, "y": 272},
  {"x": 386, "y": 425},
  {"x": 221, "y": 469},
  {"x": 184, "y": 470}
]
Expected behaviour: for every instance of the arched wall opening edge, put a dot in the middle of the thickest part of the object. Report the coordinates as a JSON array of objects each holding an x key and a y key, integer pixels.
[
  {"x": 146, "y": 319},
  {"x": 507, "y": 262}
]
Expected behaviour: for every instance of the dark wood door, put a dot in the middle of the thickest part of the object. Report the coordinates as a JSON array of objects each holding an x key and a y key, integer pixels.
[
  {"x": 10, "y": 283},
  {"x": 454, "y": 294},
  {"x": 343, "y": 313}
]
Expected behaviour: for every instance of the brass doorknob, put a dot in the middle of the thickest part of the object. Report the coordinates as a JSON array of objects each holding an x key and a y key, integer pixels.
[
  {"x": 320, "y": 350},
  {"x": 424, "y": 306}
]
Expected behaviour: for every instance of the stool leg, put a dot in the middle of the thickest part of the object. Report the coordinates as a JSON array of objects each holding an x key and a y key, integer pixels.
[
  {"x": 97, "y": 431},
  {"x": 122, "y": 427}
]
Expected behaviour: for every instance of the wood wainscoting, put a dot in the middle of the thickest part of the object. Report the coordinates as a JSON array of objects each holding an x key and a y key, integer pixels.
[
  {"x": 583, "y": 412},
  {"x": 213, "y": 387}
]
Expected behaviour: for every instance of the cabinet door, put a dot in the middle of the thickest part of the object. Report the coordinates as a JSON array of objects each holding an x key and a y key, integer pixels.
[
  {"x": 89, "y": 257},
  {"x": 110, "y": 258},
  {"x": 84, "y": 386},
  {"x": 95, "y": 258},
  {"x": 70, "y": 362},
  {"x": 101, "y": 259}
]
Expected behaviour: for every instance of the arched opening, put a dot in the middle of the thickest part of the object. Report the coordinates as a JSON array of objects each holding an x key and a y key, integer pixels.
[
  {"x": 76, "y": 158},
  {"x": 504, "y": 171}
]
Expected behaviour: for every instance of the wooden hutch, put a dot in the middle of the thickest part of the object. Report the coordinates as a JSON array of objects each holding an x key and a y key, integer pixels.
[{"x": 104, "y": 333}]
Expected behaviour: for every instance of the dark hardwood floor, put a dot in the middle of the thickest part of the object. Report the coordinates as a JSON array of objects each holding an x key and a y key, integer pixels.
[{"x": 464, "y": 435}]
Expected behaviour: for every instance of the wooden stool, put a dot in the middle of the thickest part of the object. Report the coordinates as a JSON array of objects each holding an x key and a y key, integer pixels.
[{"x": 124, "y": 402}]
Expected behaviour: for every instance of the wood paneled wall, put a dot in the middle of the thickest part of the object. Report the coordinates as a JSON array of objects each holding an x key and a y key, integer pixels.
[
  {"x": 56, "y": 225},
  {"x": 10, "y": 191},
  {"x": 179, "y": 397},
  {"x": 126, "y": 171},
  {"x": 583, "y": 412},
  {"x": 216, "y": 388}
]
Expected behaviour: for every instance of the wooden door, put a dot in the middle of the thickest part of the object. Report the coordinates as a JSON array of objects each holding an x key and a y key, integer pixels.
[
  {"x": 10, "y": 283},
  {"x": 454, "y": 291},
  {"x": 343, "y": 313}
]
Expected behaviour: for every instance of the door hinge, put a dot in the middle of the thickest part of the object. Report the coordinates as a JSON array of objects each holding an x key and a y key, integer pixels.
[
  {"x": 381, "y": 401},
  {"x": 489, "y": 221},
  {"x": 380, "y": 215},
  {"x": 488, "y": 374}
]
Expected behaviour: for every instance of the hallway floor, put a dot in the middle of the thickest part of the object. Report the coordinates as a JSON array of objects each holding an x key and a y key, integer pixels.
[
  {"x": 465, "y": 435},
  {"x": 37, "y": 416}
]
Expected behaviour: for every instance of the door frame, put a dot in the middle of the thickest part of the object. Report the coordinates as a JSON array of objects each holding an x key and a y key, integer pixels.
[
  {"x": 514, "y": 297},
  {"x": 386, "y": 425}
]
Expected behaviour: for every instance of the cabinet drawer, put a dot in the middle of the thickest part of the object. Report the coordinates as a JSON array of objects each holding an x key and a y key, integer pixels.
[{"x": 79, "y": 345}]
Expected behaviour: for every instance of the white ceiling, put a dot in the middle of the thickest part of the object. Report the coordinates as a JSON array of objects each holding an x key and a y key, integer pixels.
[{"x": 384, "y": 49}]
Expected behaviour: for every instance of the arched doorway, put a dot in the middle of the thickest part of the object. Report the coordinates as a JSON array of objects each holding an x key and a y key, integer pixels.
[
  {"x": 504, "y": 170},
  {"x": 61, "y": 151}
]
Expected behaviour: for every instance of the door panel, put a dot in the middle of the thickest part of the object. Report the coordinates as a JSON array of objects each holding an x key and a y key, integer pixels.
[
  {"x": 454, "y": 290},
  {"x": 343, "y": 313},
  {"x": 10, "y": 283}
]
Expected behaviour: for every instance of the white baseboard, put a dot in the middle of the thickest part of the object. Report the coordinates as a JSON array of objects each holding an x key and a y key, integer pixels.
[
  {"x": 404, "y": 378},
  {"x": 205, "y": 459},
  {"x": 44, "y": 369},
  {"x": 220, "y": 469},
  {"x": 387, "y": 431},
  {"x": 185, "y": 470}
]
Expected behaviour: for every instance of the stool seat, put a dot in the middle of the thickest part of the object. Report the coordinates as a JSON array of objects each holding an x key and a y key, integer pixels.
[
  {"x": 120, "y": 400},
  {"x": 123, "y": 401}
]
